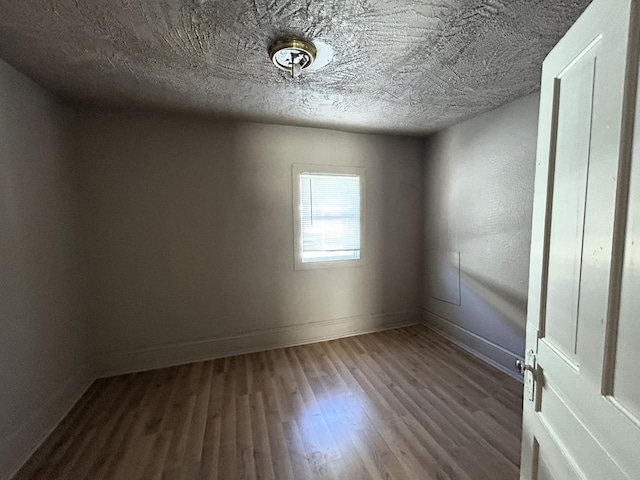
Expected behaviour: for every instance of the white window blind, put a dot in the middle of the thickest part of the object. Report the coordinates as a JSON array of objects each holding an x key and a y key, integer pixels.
[{"x": 330, "y": 211}]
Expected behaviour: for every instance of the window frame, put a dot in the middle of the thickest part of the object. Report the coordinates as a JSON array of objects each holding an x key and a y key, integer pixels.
[{"x": 298, "y": 169}]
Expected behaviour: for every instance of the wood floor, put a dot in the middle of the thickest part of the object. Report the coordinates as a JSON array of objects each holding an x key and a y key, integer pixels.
[{"x": 401, "y": 404}]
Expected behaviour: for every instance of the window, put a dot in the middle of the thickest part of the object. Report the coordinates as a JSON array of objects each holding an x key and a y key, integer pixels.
[{"x": 329, "y": 215}]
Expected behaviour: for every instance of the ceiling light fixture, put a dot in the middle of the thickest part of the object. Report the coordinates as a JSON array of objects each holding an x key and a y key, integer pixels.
[{"x": 292, "y": 55}]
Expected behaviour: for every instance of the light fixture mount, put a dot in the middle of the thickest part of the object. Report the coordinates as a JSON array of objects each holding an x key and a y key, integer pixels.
[{"x": 292, "y": 55}]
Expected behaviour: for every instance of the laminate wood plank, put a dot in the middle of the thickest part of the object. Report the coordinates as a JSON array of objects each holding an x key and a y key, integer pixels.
[
  {"x": 162, "y": 391},
  {"x": 184, "y": 407},
  {"x": 257, "y": 373},
  {"x": 153, "y": 469},
  {"x": 101, "y": 454},
  {"x": 261, "y": 448},
  {"x": 134, "y": 459},
  {"x": 197, "y": 429},
  {"x": 375, "y": 397},
  {"x": 300, "y": 464},
  {"x": 227, "y": 450},
  {"x": 281, "y": 460},
  {"x": 401, "y": 404},
  {"x": 317, "y": 435},
  {"x": 245, "y": 468},
  {"x": 469, "y": 433},
  {"x": 356, "y": 437}
]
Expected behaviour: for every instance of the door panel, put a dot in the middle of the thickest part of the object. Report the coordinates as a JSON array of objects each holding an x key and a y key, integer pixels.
[
  {"x": 563, "y": 417},
  {"x": 583, "y": 323},
  {"x": 553, "y": 464},
  {"x": 626, "y": 372},
  {"x": 549, "y": 461},
  {"x": 545, "y": 473},
  {"x": 574, "y": 90}
]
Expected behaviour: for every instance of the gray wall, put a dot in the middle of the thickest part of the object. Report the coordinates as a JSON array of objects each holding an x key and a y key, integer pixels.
[
  {"x": 185, "y": 230},
  {"x": 188, "y": 225},
  {"x": 41, "y": 353},
  {"x": 478, "y": 202}
]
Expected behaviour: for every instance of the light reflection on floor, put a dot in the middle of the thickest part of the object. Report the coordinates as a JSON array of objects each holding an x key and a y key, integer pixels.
[{"x": 330, "y": 423}]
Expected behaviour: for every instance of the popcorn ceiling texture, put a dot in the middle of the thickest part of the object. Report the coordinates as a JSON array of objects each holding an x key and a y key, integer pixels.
[{"x": 406, "y": 66}]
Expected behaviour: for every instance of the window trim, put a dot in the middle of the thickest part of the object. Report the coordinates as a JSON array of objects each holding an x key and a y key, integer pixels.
[{"x": 296, "y": 170}]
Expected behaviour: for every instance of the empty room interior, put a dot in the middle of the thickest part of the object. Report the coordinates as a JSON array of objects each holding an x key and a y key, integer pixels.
[{"x": 355, "y": 239}]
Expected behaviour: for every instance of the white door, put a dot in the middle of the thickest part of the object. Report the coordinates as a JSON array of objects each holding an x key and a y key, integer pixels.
[{"x": 582, "y": 398}]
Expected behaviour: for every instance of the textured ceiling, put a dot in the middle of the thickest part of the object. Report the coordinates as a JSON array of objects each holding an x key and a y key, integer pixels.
[{"x": 408, "y": 66}]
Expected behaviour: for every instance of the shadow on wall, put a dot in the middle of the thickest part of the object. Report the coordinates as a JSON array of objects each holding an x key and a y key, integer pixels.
[
  {"x": 504, "y": 309},
  {"x": 508, "y": 302},
  {"x": 479, "y": 187},
  {"x": 42, "y": 355},
  {"x": 476, "y": 302},
  {"x": 397, "y": 237},
  {"x": 183, "y": 228}
]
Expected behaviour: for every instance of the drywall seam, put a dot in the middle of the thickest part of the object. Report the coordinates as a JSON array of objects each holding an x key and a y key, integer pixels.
[
  {"x": 22, "y": 444},
  {"x": 117, "y": 363},
  {"x": 485, "y": 350}
]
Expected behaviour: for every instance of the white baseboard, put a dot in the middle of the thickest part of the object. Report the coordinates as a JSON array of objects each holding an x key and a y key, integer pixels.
[
  {"x": 116, "y": 363},
  {"x": 487, "y": 351},
  {"x": 18, "y": 447}
]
